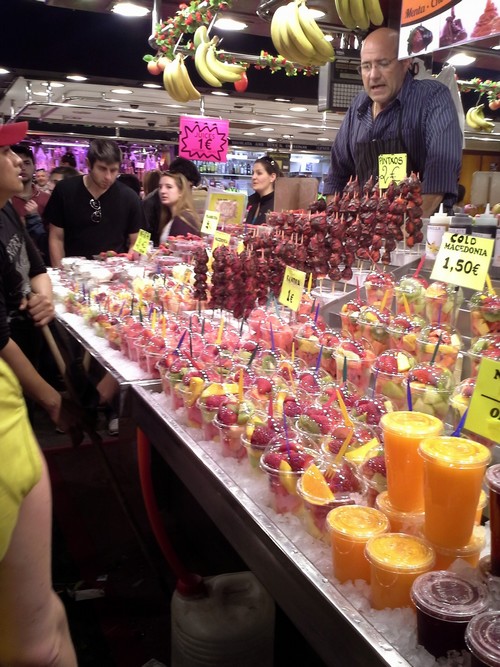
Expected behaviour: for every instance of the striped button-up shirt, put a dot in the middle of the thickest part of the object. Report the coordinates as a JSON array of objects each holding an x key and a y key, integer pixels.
[{"x": 429, "y": 129}]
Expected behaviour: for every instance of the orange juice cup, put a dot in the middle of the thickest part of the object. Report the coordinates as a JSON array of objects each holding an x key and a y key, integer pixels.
[
  {"x": 470, "y": 553},
  {"x": 410, "y": 523},
  {"x": 453, "y": 474},
  {"x": 351, "y": 526},
  {"x": 403, "y": 432},
  {"x": 396, "y": 560}
]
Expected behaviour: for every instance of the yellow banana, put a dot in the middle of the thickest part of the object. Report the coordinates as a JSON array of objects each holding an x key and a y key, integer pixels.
[
  {"x": 173, "y": 83},
  {"x": 344, "y": 13},
  {"x": 200, "y": 61},
  {"x": 200, "y": 35},
  {"x": 276, "y": 22},
  {"x": 359, "y": 14},
  {"x": 225, "y": 72},
  {"x": 374, "y": 12},
  {"x": 477, "y": 116},
  {"x": 314, "y": 33},
  {"x": 186, "y": 81},
  {"x": 470, "y": 120},
  {"x": 295, "y": 32}
]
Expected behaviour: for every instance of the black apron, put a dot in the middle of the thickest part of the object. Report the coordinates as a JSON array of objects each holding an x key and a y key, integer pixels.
[{"x": 366, "y": 154}]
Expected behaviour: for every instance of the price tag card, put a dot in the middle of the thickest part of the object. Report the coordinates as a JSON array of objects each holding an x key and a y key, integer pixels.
[
  {"x": 142, "y": 243},
  {"x": 240, "y": 247},
  {"x": 483, "y": 417},
  {"x": 463, "y": 260},
  {"x": 210, "y": 222},
  {"x": 391, "y": 167},
  {"x": 221, "y": 238},
  {"x": 292, "y": 288}
]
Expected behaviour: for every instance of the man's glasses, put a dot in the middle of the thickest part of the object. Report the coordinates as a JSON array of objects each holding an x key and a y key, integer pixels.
[
  {"x": 97, "y": 212},
  {"x": 366, "y": 68}
]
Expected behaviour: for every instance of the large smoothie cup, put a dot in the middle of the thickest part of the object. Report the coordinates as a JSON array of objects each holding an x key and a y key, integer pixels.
[
  {"x": 396, "y": 560},
  {"x": 403, "y": 432},
  {"x": 453, "y": 474},
  {"x": 493, "y": 482}
]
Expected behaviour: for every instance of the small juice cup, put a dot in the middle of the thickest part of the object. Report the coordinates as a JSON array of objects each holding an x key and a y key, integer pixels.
[
  {"x": 396, "y": 560},
  {"x": 445, "y": 603},
  {"x": 493, "y": 482},
  {"x": 350, "y": 529},
  {"x": 410, "y": 523},
  {"x": 403, "y": 432},
  {"x": 453, "y": 474},
  {"x": 470, "y": 554},
  {"x": 482, "y": 638}
]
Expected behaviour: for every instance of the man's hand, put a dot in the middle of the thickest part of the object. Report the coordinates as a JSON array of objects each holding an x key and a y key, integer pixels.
[
  {"x": 31, "y": 207},
  {"x": 41, "y": 309}
]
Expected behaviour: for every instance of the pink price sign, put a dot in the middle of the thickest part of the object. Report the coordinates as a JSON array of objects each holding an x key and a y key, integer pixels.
[{"x": 203, "y": 138}]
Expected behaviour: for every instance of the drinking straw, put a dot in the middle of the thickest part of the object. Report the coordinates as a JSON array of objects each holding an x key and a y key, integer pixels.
[
  {"x": 434, "y": 354},
  {"x": 384, "y": 299},
  {"x": 374, "y": 383},
  {"x": 313, "y": 305},
  {"x": 203, "y": 326},
  {"x": 163, "y": 326},
  {"x": 439, "y": 312},
  {"x": 252, "y": 356},
  {"x": 419, "y": 267},
  {"x": 309, "y": 283},
  {"x": 344, "y": 370},
  {"x": 191, "y": 322},
  {"x": 270, "y": 411},
  {"x": 408, "y": 396},
  {"x": 132, "y": 302},
  {"x": 287, "y": 441},
  {"x": 458, "y": 430},
  {"x": 406, "y": 305},
  {"x": 292, "y": 354},
  {"x": 455, "y": 308},
  {"x": 240, "y": 386},
  {"x": 140, "y": 314},
  {"x": 153, "y": 319},
  {"x": 292, "y": 381},
  {"x": 190, "y": 344},
  {"x": 358, "y": 291},
  {"x": 120, "y": 312},
  {"x": 218, "y": 340},
  {"x": 150, "y": 310},
  {"x": 318, "y": 360},
  {"x": 181, "y": 339},
  {"x": 271, "y": 333},
  {"x": 343, "y": 409},
  {"x": 316, "y": 313},
  {"x": 243, "y": 319},
  {"x": 491, "y": 289},
  {"x": 345, "y": 445}
]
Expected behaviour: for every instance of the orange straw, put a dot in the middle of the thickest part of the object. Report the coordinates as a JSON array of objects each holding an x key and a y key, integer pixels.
[
  {"x": 309, "y": 284},
  {"x": 384, "y": 299},
  {"x": 240, "y": 386},
  {"x": 406, "y": 305},
  {"x": 218, "y": 340},
  {"x": 343, "y": 409},
  {"x": 491, "y": 289},
  {"x": 345, "y": 445}
]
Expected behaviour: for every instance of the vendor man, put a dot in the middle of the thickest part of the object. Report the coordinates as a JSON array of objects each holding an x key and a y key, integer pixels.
[{"x": 398, "y": 114}]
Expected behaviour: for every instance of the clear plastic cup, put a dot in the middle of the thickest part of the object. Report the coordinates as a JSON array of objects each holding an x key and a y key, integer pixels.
[
  {"x": 350, "y": 529},
  {"x": 396, "y": 560},
  {"x": 445, "y": 603},
  {"x": 484, "y": 314},
  {"x": 483, "y": 347},
  {"x": 410, "y": 523},
  {"x": 470, "y": 554},
  {"x": 482, "y": 637},
  {"x": 446, "y": 353},
  {"x": 390, "y": 370}
]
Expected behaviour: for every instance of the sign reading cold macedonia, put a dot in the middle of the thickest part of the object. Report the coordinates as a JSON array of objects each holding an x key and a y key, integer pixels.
[
  {"x": 203, "y": 138},
  {"x": 463, "y": 260},
  {"x": 430, "y": 25}
]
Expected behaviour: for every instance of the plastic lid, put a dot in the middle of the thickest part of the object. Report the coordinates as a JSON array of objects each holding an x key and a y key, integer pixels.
[
  {"x": 449, "y": 596},
  {"x": 475, "y": 545},
  {"x": 411, "y": 423},
  {"x": 460, "y": 452},
  {"x": 357, "y": 522},
  {"x": 440, "y": 217},
  {"x": 383, "y": 503},
  {"x": 493, "y": 478},
  {"x": 400, "y": 552},
  {"x": 483, "y": 637}
]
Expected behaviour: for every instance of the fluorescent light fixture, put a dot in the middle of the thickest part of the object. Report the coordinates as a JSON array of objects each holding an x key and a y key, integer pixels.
[
  {"x": 280, "y": 115},
  {"x": 64, "y": 143},
  {"x": 271, "y": 139},
  {"x": 496, "y": 47},
  {"x": 316, "y": 13},
  {"x": 76, "y": 77},
  {"x": 329, "y": 38},
  {"x": 249, "y": 134},
  {"x": 460, "y": 60},
  {"x": 220, "y": 93},
  {"x": 54, "y": 84},
  {"x": 41, "y": 93},
  {"x": 323, "y": 139},
  {"x": 229, "y": 24},
  {"x": 281, "y": 99},
  {"x": 4, "y": 71},
  {"x": 121, "y": 91},
  {"x": 297, "y": 109},
  {"x": 266, "y": 129},
  {"x": 151, "y": 85},
  {"x": 121, "y": 122},
  {"x": 172, "y": 106},
  {"x": 288, "y": 136},
  {"x": 129, "y": 9}
]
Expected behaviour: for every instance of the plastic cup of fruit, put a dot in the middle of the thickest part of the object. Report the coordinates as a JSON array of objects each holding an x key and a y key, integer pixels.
[
  {"x": 190, "y": 390},
  {"x": 329, "y": 340},
  {"x": 373, "y": 324},
  {"x": 289, "y": 404},
  {"x": 413, "y": 291},
  {"x": 379, "y": 287},
  {"x": 313, "y": 381},
  {"x": 370, "y": 409},
  {"x": 209, "y": 402},
  {"x": 259, "y": 431},
  {"x": 349, "y": 314},
  {"x": 267, "y": 361},
  {"x": 231, "y": 419},
  {"x": 442, "y": 302},
  {"x": 316, "y": 424},
  {"x": 261, "y": 392},
  {"x": 360, "y": 434},
  {"x": 484, "y": 314},
  {"x": 132, "y": 334},
  {"x": 372, "y": 471},
  {"x": 430, "y": 387},
  {"x": 403, "y": 331},
  {"x": 390, "y": 370},
  {"x": 359, "y": 357},
  {"x": 410, "y": 523},
  {"x": 348, "y": 391},
  {"x": 323, "y": 488},
  {"x": 281, "y": 336},
  {"x": 284, "y": 460},
  {"x": 449, "y": 347},
  {"x": 483, "y": 347},
  {"x": 307, "y": 345}
]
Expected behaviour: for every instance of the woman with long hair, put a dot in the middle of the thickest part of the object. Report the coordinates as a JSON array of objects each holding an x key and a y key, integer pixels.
[
  {"x": 178, "y": 216},
  {"x": 264, "y": 175}
]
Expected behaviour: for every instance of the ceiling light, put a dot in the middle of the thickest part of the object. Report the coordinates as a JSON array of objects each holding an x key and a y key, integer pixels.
[
  {"x": 230, "y": 24},
  {"x": 249, "y": 134},
  {"x": 329, "y": 38},
  {"x": 121, "y": 91},
  {"x": 460, "y": 60},
  {"x": 41, "y": 93},
  {"x": 121, "y": 122},
  {"x": 281, "y": 99},
  {"x": 280, "y": 115},
  {"x": 266, "y": 129},
  {"x": 323, "y": 139},
  {"x": 219, "y": 92},
  {"x": 76, "y": 77},
  {"x": 271, "y": 139},
  {"x": 151, "y": 85},
  {"x": 53, "y": 84},
  {"x": 64, "y": 143},
  {"x": 297, "y": 109},
  {"x": 4, "y": 71},
  {"x": 129, "y": 9},
  {"x": 172, "y": 106},
  {"x": 288, "y": 136},
  {"x": 496, "y": 47},
  {"x": 316, "y": 13}
]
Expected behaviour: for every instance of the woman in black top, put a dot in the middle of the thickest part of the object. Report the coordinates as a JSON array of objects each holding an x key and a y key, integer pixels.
[{"x": 265, "y": 173}]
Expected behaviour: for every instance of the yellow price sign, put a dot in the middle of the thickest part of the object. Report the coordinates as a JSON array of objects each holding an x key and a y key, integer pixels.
[
  {"x": 483, "y": 417},
  {"x": 142, "y": 243},
  {"x": 391, "y": 167},
  {"x": 240, "y": 247},
  {"x": 463, "y": 260},
  {"x": 210, "y": 222},
  {"x": 221, "y": 238},
  {"x": 292, "y": 288}
]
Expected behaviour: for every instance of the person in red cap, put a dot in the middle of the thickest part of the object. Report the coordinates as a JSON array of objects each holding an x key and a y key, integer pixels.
[{"x": 33, "y": 624}]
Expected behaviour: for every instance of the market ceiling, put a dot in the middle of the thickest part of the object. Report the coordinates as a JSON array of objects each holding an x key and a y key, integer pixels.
[{"x": 45, "y": 41}]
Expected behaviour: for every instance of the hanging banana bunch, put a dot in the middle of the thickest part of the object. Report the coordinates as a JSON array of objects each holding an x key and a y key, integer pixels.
[
  {"x": 359, "y": 13},
  {"x": 476, "y": 121},
  {"x": 206, "y": 59},
  {"x": 177, "y": 81},
  {"x": 297, "y": 37}
]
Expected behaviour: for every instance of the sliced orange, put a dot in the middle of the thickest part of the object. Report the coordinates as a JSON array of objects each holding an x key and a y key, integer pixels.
[{"x": 315, "y": 485}]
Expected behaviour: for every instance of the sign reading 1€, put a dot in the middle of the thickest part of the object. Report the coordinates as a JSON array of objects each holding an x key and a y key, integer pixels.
[
  {"x": 203, "y": 138},
  {"x": 292, "y": 288}
]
